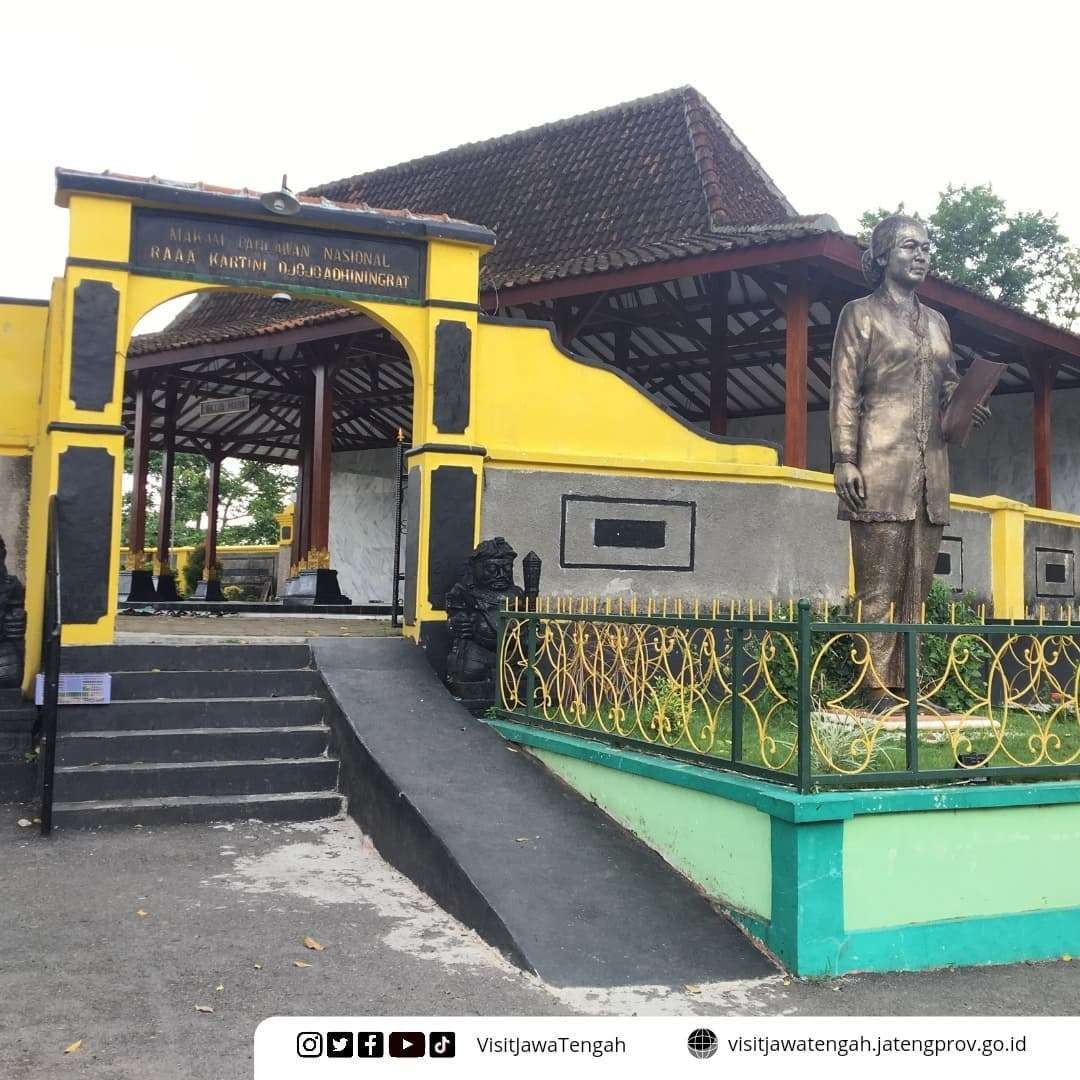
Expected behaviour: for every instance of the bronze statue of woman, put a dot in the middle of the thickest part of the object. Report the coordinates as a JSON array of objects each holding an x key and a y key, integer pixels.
[{"x": 893, "y": 374}]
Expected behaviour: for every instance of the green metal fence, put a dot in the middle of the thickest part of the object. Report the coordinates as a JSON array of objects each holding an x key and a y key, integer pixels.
[{"x": 798, "y": 701}]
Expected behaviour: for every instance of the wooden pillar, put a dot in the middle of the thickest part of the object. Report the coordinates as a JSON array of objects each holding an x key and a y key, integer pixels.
[
  {"x": 797, "y": 317},
  {"x": 303, "y": 480},
  {"x": 210, "y": 588},
  {"x": 166, "y": 587},
  {"x": 321, "y": 448},
  {"x": 140, "y": 469},
  {"x": 168, "y": 466},
  {"x": 718, "y": 286},
  {"x": 213, "y": 491},
  {"x": 1043, "y": 374}
]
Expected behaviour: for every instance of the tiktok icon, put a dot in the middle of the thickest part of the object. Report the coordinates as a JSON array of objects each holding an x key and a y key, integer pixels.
[{"x": 441, "y": 1044}]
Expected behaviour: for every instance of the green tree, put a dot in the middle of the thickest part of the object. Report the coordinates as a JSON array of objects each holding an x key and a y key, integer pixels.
[
  {"x": 251, "y": 493},
  {"x": 1022, "y": 258}
]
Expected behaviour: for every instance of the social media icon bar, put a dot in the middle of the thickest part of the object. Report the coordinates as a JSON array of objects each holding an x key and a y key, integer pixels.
[
  {"x": 309, "y": 1044},
  {"x": 407, "y": 1044},
  {"x": 339, "y": 1044},
  {"x": 369, "y": 1044},
  {"x": 441, "y": 1044}
]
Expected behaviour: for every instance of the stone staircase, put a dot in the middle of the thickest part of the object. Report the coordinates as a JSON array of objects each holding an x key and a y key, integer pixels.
[{"x": 195, "y": 733}]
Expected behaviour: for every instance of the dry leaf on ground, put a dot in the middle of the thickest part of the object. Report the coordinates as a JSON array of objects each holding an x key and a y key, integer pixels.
[
  {"x": 220, "y": 987},
  {"x": 311, "y": 943},
  {"x": 203, "y": 1008},
  {"x": 691, "y": 989},
  {"x": 301, "y": 963},
  {"x": 73, "y": 1048},
  {"x": 142, "y": 914}
]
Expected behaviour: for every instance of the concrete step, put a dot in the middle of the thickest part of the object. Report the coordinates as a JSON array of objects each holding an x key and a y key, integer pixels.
[
  {"x": 80, "y": 783},
  {"x": 11, "y": 699},
  {"x": 144, "y": 685},
  {"x": 171, "y": 714},
  {"x": 191, "y": 809},
  {"x": 191, "y": 744},
  {"x": 81, "y": 658}
]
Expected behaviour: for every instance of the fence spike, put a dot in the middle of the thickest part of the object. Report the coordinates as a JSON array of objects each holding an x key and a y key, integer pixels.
[
  {"x": 697, "y": 608},
  {"x": 922, "y": 613},
  {"x": 952, "y": 614},
  {"x": 892, "y": 610},
  {"x": 858, "y": 611},
  {"x": 770, "y": 609},
  {"x": 1042, "y": 613},
  {"x": 791, "y": 609},
  {"x": 663, "y": 610}
]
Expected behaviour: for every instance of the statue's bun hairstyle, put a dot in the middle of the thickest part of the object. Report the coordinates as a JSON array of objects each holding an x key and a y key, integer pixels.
[{"x": 882, "y": 241}]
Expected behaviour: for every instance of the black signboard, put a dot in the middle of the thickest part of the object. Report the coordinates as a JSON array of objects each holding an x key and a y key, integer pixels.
[{"x": 265, "y": 253}]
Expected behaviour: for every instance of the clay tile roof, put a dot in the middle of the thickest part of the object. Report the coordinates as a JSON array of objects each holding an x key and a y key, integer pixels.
[
  {"x": 602, "y": 185},
  {"x": 647, "y": 181}
]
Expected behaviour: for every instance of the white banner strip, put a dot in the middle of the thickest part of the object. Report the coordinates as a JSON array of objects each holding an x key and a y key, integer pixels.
[{"x": 319, "y": 1048}]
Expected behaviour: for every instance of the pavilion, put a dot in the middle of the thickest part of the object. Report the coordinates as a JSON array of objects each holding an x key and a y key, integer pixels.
[{"x": 655, "y": 243}]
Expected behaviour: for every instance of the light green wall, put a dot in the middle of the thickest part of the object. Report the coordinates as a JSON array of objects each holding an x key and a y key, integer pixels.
[
  {"x": 901, "y": 869},
  {"x": 723, "y": 846}
]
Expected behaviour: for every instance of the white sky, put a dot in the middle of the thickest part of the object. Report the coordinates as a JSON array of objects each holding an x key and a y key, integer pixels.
[{"x": 847, "y": 105}]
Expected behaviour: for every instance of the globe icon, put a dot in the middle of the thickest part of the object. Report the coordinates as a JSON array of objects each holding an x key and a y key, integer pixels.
[{"x": 702, "y": 1043}]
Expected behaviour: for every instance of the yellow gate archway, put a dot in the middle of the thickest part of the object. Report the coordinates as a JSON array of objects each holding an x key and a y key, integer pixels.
[{"x": 135, "y": 244}]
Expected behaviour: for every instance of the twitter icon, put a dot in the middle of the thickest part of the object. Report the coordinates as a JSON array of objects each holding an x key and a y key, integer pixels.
[{"x": 339, "y": 1044}]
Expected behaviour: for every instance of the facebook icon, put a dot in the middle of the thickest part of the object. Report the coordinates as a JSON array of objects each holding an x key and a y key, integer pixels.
[{"x": 369, "y": 1044}]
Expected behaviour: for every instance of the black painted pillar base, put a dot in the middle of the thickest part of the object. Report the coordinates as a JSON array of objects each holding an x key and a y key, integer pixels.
[
  {"x": 142, "y": 589},
  {"x": 313, "y": 587},
  {"x": 208, "y": 590},
  {"x": 166, "y": 588}
]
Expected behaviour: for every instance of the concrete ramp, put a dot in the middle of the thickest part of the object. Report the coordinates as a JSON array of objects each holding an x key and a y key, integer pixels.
[{"x": 499, "y": 842}]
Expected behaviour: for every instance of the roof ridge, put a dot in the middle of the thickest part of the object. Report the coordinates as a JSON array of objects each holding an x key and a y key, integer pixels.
[
  {"x": 455, "y": 153},
  {"x": 696, "y": 102}
]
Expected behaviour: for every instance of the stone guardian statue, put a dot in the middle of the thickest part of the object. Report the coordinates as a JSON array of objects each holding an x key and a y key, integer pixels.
[{"x": 893, "y": 374}]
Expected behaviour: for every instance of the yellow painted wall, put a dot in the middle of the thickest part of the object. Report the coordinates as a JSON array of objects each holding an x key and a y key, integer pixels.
[
  {"x": 22, "y": 357},
  {"x": 534, "y": 404}
]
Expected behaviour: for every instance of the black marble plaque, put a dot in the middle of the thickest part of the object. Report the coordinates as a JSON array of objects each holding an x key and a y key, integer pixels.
[
  {"x": 453, "y": 355},
  {"x": 266, "y": 253},
  {"x": 93, "y": 344},
  {"x": 84, "y": 516},
  {"x": 629, "y": 533},
  {"x": 450, "y": 540}
]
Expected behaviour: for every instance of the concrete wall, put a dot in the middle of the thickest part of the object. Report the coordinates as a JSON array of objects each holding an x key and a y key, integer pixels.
[
  {"x": 1051, "y": 562},
  {"x": 966, "y": 541},
  {"x": 998, "y": 460},
  {"x": 14, "y": 507},
  {"x": 749, "y": 541},
  {"x": 363, "y": 495}
]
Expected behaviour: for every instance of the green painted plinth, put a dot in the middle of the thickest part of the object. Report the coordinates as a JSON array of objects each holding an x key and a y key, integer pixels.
[{"x": 884, "y": 880}]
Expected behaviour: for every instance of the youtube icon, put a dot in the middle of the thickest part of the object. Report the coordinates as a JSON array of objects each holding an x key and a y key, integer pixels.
[{"x": 407, "y": 1044}]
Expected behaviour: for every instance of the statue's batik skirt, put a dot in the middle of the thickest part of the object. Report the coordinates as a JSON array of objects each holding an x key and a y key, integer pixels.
[{"x": 894, "y": 569}]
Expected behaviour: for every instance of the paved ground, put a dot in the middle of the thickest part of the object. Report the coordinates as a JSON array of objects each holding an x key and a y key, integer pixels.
[
  {"x": 229, "y": 906},
  {"x": 132, "y": 629}
]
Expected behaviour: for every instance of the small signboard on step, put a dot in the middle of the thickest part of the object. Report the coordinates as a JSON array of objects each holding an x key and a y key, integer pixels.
[{"x": 77, "y": 689}]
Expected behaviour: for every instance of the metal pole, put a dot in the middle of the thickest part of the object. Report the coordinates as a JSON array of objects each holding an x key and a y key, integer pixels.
[
  {"x": 737, "y": 663},
  {"x": 402, "y": 476},
  {"x": 804, "y": 650},
  {"x": 911, "y": 688}
]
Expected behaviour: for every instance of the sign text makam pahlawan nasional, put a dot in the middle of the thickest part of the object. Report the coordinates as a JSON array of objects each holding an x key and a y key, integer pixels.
[{"x": 258, "y": 253}]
